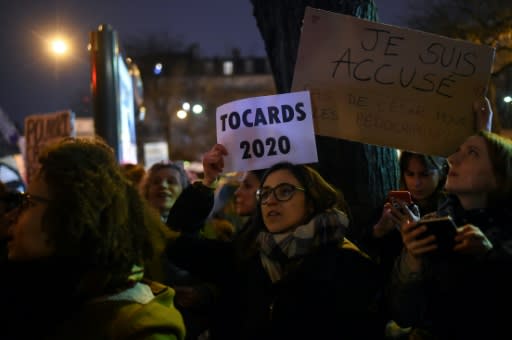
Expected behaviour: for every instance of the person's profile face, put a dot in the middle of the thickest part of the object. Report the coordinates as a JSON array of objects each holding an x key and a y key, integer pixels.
[
  {"x": 27, "y": 239},
  {"x": 471, "y": 171},
  {"x": 245, "y": 194}
]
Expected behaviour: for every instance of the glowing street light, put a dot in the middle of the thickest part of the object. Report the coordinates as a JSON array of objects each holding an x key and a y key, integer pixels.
[
  {"x": 197, "y": 109},
  {"x": 59, "y": 46},
  {"x": 507, "y": 99},
  {"x": 181, "y": 114}
]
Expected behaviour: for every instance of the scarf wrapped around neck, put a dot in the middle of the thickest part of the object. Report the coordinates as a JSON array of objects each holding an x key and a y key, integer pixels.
[{"x": 279, "y": 249}]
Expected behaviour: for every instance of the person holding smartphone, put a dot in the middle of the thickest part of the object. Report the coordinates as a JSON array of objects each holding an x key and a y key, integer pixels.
[
  {"x": 461, "y": 294},
  {"x": 423, "y": 176},
  {"x": 422, "y": 179}
]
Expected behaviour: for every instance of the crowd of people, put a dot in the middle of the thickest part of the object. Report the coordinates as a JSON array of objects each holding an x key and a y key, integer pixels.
[{"x": 95, "y": 249}]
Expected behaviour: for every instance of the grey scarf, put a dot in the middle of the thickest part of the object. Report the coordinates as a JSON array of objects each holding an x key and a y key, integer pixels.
[{"x": 278, "y": 249}]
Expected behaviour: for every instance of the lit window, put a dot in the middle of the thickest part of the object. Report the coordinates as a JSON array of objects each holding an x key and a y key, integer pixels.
[{"x": 227, "y": 68}]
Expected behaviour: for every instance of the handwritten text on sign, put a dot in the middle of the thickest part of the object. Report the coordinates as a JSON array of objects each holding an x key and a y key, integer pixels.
[
  {"x": 384, "y": 85},
  {"x": 259, "y": 132}
]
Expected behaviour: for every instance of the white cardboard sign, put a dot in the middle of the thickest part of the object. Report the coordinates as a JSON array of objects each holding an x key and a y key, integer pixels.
[{"x": 261, "y": 131}]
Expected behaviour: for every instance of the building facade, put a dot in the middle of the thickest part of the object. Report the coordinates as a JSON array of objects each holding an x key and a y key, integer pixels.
[{"x": 182, "y": 92}]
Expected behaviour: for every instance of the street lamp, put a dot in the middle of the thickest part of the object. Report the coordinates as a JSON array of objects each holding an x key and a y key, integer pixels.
[
  {"x": 197, "y": 109},
  {"x": 181, "y": 114},
  {"x": 187, "y": 107},
  {"x": 59, "y": 46}
]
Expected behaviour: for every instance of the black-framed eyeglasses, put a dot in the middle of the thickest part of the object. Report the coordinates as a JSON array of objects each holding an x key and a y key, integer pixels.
[
  {"x": 20, "y": 200},
  {"x": 282, "y": 192}
]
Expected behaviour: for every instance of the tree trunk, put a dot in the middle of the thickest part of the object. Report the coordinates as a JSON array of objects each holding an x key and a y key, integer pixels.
[{"x": 364, "y": 173}]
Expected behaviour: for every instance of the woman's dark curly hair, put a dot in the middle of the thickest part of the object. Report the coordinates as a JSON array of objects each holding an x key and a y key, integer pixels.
[
  {"x": 95, "y": 217},
  {"x": 133, "y": 172}
]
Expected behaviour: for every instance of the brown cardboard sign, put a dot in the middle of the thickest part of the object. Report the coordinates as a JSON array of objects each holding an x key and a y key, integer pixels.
[
  {"x": 385, "y": 85},
  {"x": 40, "y": 129}
]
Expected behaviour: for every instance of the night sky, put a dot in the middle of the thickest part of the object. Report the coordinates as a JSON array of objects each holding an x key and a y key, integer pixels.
[{"x": 34, "y": 81}]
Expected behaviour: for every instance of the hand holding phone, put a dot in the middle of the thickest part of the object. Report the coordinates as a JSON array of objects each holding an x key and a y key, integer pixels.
[
  {"x": 444, "y": 229},
  {"x": 395, "y": 196},
  {"x": 399, "y": 197}
]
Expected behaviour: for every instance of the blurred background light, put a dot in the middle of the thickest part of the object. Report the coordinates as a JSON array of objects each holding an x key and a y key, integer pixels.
[
  {"x": 181, "y": 114},
  {"x": 59, "y": 46},
  {"x": 158, "y": 68},
  {"x": 197, "y": 109}
]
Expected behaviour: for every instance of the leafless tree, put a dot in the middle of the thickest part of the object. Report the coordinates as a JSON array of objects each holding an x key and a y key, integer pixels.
[{"x": 482, "y": 22}]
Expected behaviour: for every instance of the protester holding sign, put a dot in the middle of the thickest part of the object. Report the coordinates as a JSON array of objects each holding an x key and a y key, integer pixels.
[
  {"x": 311, "y": 284},
  {"x": 460, "y": 293},
  {"x": 423, "y": 176}
]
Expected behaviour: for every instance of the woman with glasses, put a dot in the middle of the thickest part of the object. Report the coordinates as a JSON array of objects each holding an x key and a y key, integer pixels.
[
  {"x": 324, "y": 289},
  {"x": 306, "y": 281},
  {"x": 77, "y": 251}
]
